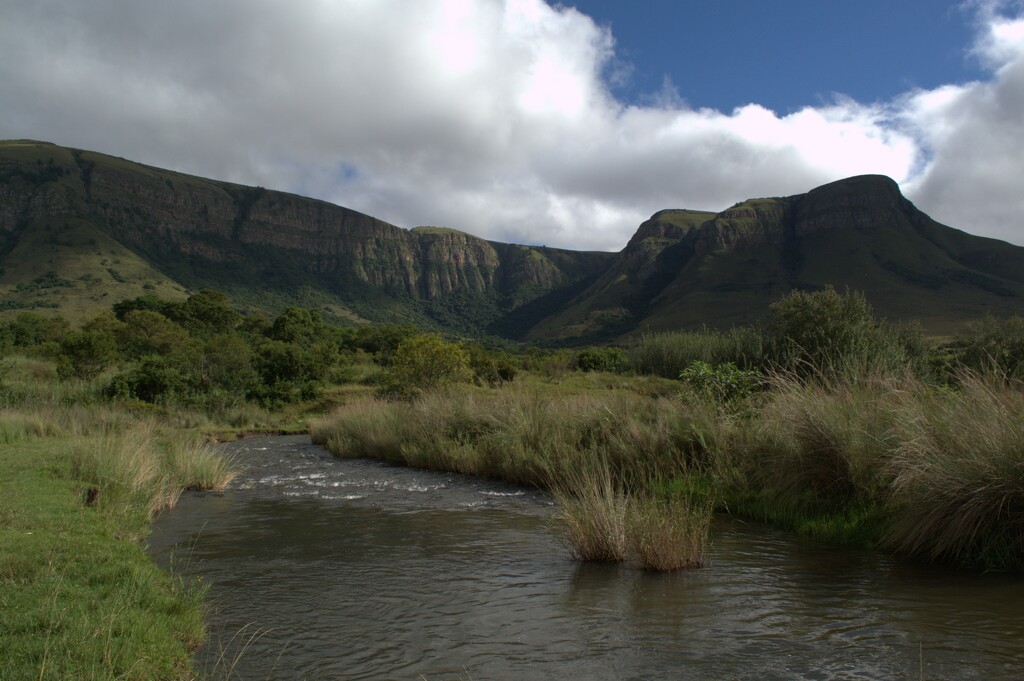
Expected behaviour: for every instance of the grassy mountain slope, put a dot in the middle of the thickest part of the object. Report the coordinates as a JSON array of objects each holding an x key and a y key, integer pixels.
[
  {"x": 859, "y": 233},
  {"x": 264, "y": 248},
  {"x": 80, "y": 230}
]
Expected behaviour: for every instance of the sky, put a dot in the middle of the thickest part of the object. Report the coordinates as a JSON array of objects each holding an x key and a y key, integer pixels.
[{"x": 565, "y": 124}]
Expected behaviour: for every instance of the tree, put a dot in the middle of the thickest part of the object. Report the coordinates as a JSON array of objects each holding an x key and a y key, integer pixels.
[
  {"x": 150, "y": 333},
  {"x": 205, "y": 314},
  {"x": 289, "y": 372},
  {"x": 84, "y": 354},
  {"x": 426, "y": 362},
  {"x": 228, "y": 364},
  {"x": 298, "y": 325}
]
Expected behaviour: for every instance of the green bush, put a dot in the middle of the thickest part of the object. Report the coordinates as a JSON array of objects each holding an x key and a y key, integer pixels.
[
  {"x": 32, "y": 330},
  {"x": 298, "y": 325},
  {"x": 827, "y": 332},
  {"x": 156, "y": 379},
  {"x": 228, "y": 363},
  {"x": 993, "y": 344},
  {"x": 489, "y": 367},
  {"x": 289, "y": 372},
  {"x": 150, "y": 333},
  {"x": 724, "y": 383},
  {"x": 426, "y": 362},
  {"x": 204, "y": 314},
  {"x": 84, "y": 354},
  {"x": 601, "y": 359}
]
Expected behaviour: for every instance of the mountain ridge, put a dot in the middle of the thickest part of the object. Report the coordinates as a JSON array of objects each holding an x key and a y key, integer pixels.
[{"x": 66, "y": 216}]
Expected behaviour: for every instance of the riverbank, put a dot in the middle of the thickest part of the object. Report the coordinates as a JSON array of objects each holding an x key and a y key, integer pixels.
[
  {"x": 80, "y": 482},
  {"x": 859, "y": 459}
]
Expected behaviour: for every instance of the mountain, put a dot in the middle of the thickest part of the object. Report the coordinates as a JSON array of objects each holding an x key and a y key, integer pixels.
[
  {"x": 80, "y": 230},
  {"x": 686, "y": 269}
]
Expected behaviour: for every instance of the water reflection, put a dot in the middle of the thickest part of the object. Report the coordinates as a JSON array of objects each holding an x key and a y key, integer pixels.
[{"x": 364, "y": 571}]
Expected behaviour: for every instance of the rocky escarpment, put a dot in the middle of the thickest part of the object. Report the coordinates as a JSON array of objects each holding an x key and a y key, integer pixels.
[
  {"x": 726, "y": 268},
  {"x": 125, "y": 224},
  {"x": 207, "y": 228}
]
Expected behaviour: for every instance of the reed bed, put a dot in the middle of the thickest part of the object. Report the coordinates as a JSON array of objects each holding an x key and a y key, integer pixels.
[
  {"x": 134, "y": 468},
  {"x": 865, "y": 457},
  {"x": 667, "y": 354},
  {"x": 958, "y": 474},
  {"x": 666, "y": 534}
]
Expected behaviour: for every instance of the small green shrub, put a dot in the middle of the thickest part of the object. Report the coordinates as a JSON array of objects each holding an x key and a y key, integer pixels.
[
  {"x": 601, "y": 359},
  {"x": 725, "y": 383}
]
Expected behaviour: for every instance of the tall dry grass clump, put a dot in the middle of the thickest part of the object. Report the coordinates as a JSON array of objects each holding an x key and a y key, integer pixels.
[
  {"x": 958, "y": 474},
  {"x": 133, "y": 468},
  {"x": 669, "y": 533},
  {"x": 195, "y": 464},
  {"x": 593, "y": 507},
  {"x": 824, "y": 443},
  {"x": 366, "y": 428}
]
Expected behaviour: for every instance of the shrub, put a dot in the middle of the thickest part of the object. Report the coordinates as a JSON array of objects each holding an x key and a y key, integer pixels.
[
  {"x": 828, "y": 331},
  {"x": 156, "y": 379},
  {"x": 228, "y": 363},
  {"x": 426, "y": 362},
  {"x": 204, "y": 314},
  {"x": 84, "y": 354},
  {"x": 601, "y": 359},
  {"x": 488, "y": 367},
  {"x": 289, "y": 372},
  {"x": 298, "y": 325},
  {"x": 993, "y": 344},
  {"x": 724, "y": 383},
  {"x": 150, "y": 333}
]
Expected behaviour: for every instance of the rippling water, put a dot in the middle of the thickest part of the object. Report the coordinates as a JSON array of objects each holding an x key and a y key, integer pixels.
[{"x": 321, "y": 568}]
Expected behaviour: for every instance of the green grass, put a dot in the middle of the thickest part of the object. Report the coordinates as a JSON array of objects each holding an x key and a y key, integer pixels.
[
  {"x": 80, "y": 480},
  {"x": 81, "y": 598}
]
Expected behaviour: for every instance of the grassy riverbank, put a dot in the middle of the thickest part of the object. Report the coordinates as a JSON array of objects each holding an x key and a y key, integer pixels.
[
  {"x": 79, "y": 483},
  {"x": 880, "y": 460},
  {"x": 825, "y": 420}
]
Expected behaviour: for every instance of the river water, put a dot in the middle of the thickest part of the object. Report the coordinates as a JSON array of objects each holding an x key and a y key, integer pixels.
[{"x": 320, "y": 568}]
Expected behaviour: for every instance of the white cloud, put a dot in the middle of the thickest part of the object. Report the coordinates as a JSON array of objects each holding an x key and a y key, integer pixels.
[
  {"x": 487, "y": 115},
  {"x": 973, "y": 135}
]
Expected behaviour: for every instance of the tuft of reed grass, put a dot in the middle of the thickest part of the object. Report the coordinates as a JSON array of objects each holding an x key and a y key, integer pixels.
[
  {"x": 133, "y": 469},
  {"x": 195, "y": 464},
  {"x": 958, "y": 474},
  {"x": 823, "y": 443},
  {"x": 666, "y": 534},
  {"x": 667, "y": 354},
  {"x": 594, "y": 509}
]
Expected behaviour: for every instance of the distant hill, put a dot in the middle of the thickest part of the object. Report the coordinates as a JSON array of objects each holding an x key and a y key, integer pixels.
[{"x": 81, "y": 230}]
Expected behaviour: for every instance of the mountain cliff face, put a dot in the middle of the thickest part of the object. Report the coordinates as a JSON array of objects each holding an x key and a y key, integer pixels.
[
  {"x": 80, "y": 230},
  {"x": 214, "y": 233},
  {"x": 727, "y": 268}
]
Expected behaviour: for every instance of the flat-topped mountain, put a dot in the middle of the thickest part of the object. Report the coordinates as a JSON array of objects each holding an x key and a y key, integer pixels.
[
  {"x": 63, "y": 211},
  {"x": 80, "y": 230},
  {"x": 684, "y": 269}
]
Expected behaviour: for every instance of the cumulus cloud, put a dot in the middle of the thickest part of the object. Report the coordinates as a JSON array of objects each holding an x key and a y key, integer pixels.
[
  {"x": 493, "y": 116},
  {"x": 973, "y": 135}
]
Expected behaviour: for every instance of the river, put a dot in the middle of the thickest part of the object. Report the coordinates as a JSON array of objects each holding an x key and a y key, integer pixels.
[{"x": 321, "y": 568}]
